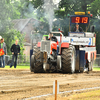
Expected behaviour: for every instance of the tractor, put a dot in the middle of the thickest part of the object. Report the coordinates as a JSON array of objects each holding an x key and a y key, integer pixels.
[{"x": 73, "y": 53}]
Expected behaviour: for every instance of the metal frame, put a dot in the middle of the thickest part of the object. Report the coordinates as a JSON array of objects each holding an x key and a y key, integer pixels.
[
  {"x": 57, "y": 33},
  {"x": 77, "y": 32}
]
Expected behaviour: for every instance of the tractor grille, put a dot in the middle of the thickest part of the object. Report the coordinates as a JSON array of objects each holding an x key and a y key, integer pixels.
[{"x": 45, "y": 46}]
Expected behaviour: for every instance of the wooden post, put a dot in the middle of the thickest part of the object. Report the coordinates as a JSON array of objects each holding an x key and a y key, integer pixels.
[{"x": 55, "y": 89}]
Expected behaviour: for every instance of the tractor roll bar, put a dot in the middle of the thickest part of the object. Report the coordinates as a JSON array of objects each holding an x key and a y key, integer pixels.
[{"x": 57, "y": 33}]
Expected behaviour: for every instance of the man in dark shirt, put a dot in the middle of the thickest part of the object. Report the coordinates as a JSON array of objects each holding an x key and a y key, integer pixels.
[
  {"x": 77, "y": 28},
  {"x": 53, "y": 38},
  {"x": 15, "y": 49}
]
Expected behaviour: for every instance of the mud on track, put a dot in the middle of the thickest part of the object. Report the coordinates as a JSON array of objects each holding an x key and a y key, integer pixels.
[{"x": 19, "y": 84}]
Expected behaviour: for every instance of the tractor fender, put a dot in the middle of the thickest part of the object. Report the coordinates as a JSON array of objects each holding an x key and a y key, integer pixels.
[
  {"x": 65, "y": 45},
  {"x": 53, "y": 46}
]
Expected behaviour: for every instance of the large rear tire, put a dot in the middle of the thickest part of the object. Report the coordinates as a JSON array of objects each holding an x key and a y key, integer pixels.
[
  {"x": 68, "y": 59},
  {"x": 37, "y": 65}
]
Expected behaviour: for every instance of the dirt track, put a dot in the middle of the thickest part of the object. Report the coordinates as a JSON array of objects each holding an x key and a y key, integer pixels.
[{"x": 19, "y": 84}]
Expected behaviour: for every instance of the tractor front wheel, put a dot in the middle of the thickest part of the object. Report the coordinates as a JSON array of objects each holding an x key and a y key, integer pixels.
[
  {"x": 32, "y": 63},
  {"x": 36, "y": 64}
]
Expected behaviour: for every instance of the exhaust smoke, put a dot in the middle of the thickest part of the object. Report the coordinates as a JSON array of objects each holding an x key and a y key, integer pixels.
[{"x": 49, "y": 7}]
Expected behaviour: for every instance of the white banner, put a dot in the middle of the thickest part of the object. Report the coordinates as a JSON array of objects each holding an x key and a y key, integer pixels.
[{"x": 78, "y": 40}]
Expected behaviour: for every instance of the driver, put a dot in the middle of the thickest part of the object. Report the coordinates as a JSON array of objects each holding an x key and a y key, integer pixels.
[
  {"x": 44, "y": 38},
  {"x": 53, "y": 38},
  {"x": 77, "y": 28}
]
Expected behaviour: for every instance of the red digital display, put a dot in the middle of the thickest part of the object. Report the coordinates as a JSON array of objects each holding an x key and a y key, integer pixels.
[{"x": 79, "y": 20}]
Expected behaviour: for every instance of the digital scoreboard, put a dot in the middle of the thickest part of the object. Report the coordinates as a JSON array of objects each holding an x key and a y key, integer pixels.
[{"x": 83, "y": 20}]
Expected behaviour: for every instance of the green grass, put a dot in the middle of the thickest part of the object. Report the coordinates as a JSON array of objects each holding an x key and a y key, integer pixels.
[
  {"x": 89, "y": 95},
  {"x": 92, "y": 95},
  {"x": 96, "y": 68},
  {"x": 28, "y": 67},
  {"x": 19, "y": 67}
]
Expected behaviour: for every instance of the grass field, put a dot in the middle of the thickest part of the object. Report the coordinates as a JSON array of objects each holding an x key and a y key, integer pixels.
[
  {"x": 28, "y": 67},
  {"x": 19, "y": 67},
  {"x": 92, "y": 95},
  {"x": 96, "y": 68}
]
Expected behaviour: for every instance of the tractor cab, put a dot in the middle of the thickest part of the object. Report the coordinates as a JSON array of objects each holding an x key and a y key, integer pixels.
[{"x": 78, "y": 20}]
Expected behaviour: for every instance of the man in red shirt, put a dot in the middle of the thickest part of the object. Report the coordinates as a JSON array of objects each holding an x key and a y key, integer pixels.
[{"x": 53, "y": 38}]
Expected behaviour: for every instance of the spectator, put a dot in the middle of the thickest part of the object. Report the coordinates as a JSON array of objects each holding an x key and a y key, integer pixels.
[
  {"x": 77, "y": 28},
  {"x": 15, "y": 49},
  {"x": 4, "y": 52}
]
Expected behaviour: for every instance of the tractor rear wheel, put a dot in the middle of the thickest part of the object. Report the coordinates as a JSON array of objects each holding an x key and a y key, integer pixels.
[
  {"x": 68, "y": 59},
  {"x": 37, "y": 65}
]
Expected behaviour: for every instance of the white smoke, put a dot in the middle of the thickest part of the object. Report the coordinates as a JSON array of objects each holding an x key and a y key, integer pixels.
[
  {"x": 49, "y": 7},
  {"x": 30, "y": 12}
]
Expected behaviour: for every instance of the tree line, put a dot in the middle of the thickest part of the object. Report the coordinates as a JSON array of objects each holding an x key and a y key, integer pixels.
[{"x": 21, "y": 9}]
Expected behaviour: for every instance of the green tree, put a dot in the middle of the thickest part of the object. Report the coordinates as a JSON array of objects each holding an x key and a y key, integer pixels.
[
  {"x": 95, "y": 8},
  {"x": 69, "y": 7},
  {"x": 9, "y": 12},
  {"x": 4, "y": 15},
  {"x": 34, "y": 9},
  {"x": 10, "y": 38}
]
